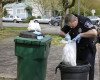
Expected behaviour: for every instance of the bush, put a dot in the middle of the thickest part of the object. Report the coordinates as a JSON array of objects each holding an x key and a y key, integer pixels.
[
  {"x": 39, "y": 17},
  {"x": 5, "y": 12},
  {"x": 29, "y": 18}
]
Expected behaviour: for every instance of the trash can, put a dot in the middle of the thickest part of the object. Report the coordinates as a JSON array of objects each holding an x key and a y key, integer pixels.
[
  {"x": 32, "y": 57},
  {"x": 79, "y": 72}
]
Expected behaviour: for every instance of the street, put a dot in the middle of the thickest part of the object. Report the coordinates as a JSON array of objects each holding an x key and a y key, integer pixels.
[
  {"x": 46, "y": 28},
  {"x": 11, "y": 24}
]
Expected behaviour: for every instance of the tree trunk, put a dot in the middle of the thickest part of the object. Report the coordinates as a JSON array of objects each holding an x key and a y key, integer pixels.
[
  {"x": 63, "y": 17},
  {"x": 1, "y": 26},
  {"x": 2, "y": 3},
  {"x": 66, "y": 6}
]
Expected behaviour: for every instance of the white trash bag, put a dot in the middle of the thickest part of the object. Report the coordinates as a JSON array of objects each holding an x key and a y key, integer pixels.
[
  {"x": 33, "y": 26},
  {"x": 69, "y": 53}
]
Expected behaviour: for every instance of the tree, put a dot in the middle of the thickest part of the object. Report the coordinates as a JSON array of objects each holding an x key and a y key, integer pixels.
[
  {"x": 2, "y": 3},
  {"x": 46, "y": 5},
  {"x": 94, "y": 4},
  {"x": 52, "y": 5},
  {"x": 55, "y": 5},
  {"x": 41, "y": 5},
  {"x": 85, "y": 7},
  {"x": 66, "y": 5}
]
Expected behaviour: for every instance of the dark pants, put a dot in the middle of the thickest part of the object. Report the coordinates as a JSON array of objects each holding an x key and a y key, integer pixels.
[{"x": 86, "y": 53}]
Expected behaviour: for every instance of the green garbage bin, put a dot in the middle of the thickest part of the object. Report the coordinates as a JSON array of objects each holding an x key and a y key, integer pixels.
[{"x": 32, "y": 57}]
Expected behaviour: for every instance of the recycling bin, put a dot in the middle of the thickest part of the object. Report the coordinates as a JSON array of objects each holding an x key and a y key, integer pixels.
[
  {"x": 79, "y": 72},
  {"x": 32, "y": 57}
]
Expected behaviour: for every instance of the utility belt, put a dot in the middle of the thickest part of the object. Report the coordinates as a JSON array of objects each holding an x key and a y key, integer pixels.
[{"x": 90, "y": 46}]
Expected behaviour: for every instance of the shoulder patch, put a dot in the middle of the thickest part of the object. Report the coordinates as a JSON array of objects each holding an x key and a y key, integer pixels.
[{"x": 88, "y": 24}]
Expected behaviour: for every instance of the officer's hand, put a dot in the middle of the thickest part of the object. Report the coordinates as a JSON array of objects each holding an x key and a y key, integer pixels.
[
  {"x": 67, "y": 37},
  {"x": 77, "y": 38}
]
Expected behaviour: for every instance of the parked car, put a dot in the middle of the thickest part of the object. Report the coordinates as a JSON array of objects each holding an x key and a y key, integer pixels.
[
  {"x": 12, "y": 18},
  {"x": 56, "y": 21},
  {"x": 95, "y": 20},
  {"x": 98, "y": 36},
  {"x": 99, "y": 16},
  {"x": 43, "y": 20}
]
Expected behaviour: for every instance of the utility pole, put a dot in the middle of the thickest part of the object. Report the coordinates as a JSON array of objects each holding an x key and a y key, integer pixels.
[
  {"x": 84, "y": 8},
  {"x": 78, "y": 7},
  {"x": 1, "y": 26}
]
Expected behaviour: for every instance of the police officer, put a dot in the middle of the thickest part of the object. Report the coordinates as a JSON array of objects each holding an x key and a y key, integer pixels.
[{"x": 81, "y": 30}]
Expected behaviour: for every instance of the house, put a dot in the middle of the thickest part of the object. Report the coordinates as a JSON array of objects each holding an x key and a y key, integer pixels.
[{"x": 21, "y": 8}]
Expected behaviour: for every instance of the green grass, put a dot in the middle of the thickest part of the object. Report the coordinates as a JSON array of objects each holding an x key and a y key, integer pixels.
[
  {"x": 55, "y": 39},
  {"x": 14, "y": 31},
  {"x": 15, "y": 28},
  {"x": 2, "y": 77},
  {"x": 6, "y": 34}
]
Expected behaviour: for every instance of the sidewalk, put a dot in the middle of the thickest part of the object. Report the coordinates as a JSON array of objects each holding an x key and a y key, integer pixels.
[{"x": 8, "y": 61}]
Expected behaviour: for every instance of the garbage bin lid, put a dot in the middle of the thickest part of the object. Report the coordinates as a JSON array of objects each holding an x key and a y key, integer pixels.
[
  {"x": 29, "y": 34},
  {"x": 47, "y": 39}
]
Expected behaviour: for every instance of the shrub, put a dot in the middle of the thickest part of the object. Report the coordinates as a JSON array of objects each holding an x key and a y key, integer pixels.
[
  {"x": 5, "y": 12},
  {"x": 29, "y": 18},
  {"x": 39, "y": 17}
]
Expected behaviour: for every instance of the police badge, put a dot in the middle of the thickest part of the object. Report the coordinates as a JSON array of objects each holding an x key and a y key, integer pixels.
[{"x": 79, "y": 30}]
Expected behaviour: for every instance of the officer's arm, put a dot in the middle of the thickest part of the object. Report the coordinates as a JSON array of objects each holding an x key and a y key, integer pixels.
[
  {"x": 62, "y": 34},
  {"x": 64, "y": 31},
  {"x": 89, "y": 33}
]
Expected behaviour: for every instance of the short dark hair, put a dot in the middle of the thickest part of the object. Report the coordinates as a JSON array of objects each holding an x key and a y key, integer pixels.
[{"x": 69, "y": 18}]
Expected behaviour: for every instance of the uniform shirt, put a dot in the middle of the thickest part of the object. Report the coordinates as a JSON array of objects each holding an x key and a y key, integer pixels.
[{"x": 84, "y": 24}]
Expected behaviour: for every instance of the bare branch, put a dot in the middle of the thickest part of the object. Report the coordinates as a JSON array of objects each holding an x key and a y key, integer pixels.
[
  {"x": 67, "y": 5},
  {"x": 73, "y": 3}
]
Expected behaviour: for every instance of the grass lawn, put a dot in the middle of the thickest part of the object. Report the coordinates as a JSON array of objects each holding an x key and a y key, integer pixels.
[
  {"x": 6, "y": 34},
  {"x": 14, "y": 31}
]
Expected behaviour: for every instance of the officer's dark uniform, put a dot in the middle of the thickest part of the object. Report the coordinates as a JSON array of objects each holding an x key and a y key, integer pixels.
[{"x": 86, "y": 49}]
